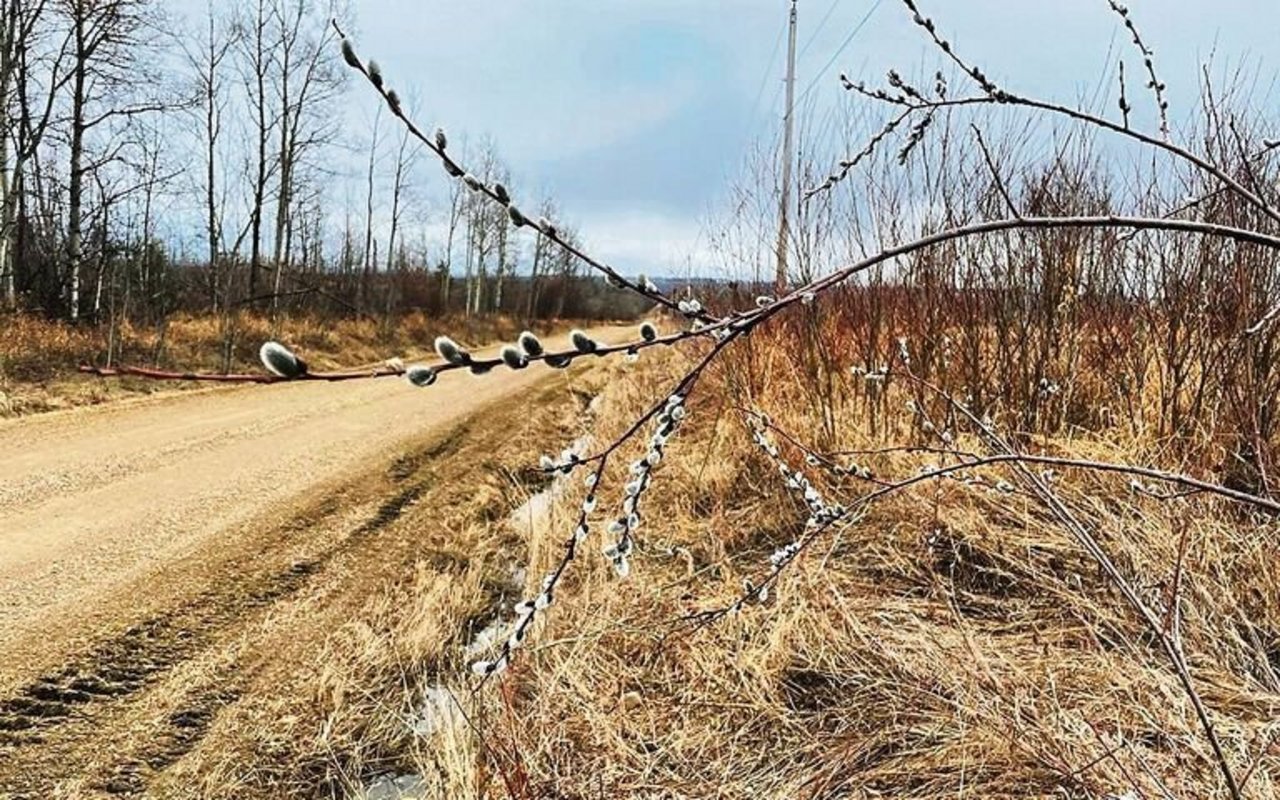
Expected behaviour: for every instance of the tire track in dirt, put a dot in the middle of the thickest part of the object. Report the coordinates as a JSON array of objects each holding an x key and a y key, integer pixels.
[
  {"x": 105, "y": 683},
  {"x": 47, "y": 721}
]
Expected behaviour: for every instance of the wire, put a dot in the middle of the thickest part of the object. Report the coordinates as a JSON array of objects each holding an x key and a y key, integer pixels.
[
  {"x": 764, "y": 80},
  {"x": 818, "y": 29},
  {"x": 755, "y": 109},
  {"x": 848, "y": 39}
]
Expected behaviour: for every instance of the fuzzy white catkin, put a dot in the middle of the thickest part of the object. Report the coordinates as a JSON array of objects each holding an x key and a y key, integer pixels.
[
  {"x": 582, "y": 342},
  {"x": 280, "y": 360},
  {"x": 349, "y": 54},
  {"x": 530, "y": 344},
  {"x": 450, "y": 351},
  {"x": 420, "y": 375},
  {"x": 513, "y": 358}
]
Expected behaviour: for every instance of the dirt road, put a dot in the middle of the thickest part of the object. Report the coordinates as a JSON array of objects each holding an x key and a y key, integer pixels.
[{"x": 137, "y": 540}]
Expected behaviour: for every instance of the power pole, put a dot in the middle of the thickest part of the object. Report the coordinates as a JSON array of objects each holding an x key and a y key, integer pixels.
[{"x": 784, "y": 228}]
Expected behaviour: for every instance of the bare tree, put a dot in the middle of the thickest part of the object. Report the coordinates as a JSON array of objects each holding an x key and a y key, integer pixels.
[
  {"x": 14, "y": 28},
  {"x": 306, "y": 83},
  {"x": 567, "y": 265},
  {"x": 288, "y": 75},
  {"x": 457, "y": 205},
  {"x": 405, "y": 156},
  {"x": 25, "y": 112},
  {"x": 206, "y": 64},
  {"x": 363, "y": 296},
  {"x": 542, "y": 250},
  {"x": 502, "y": 225},
  {"x": 106, "y": 43},
  {"x": 484, "y": 223},
  {"x": 254, "y": 36}
]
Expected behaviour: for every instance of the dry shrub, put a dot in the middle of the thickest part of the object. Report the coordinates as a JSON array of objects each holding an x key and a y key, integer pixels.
[
  {"x": 955, "y": 640},
  {"x": 34, "y": 348}
]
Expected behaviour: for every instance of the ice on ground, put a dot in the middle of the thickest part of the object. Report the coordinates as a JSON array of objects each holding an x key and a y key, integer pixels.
[{"x": 437, "y": 711}]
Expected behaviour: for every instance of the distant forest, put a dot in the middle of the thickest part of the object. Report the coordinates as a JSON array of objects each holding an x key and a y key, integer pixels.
[{"x": 124, "y": 129}]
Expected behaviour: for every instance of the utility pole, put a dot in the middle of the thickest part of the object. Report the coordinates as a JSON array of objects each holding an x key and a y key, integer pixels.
[{"x": 784, "y": 228}]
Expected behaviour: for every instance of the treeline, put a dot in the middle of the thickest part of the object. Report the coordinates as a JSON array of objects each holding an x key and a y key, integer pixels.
[{"x": 152, "y": 163}]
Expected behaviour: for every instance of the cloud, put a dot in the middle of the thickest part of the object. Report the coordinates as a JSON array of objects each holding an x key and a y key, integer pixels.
[
  {"x": 607, "y": 119},
  {"x": 650, "y": 243},
  {"x": 636, "y": 114}
]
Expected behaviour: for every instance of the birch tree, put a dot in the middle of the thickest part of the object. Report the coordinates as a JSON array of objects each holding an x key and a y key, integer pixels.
[
  {"x": 33, "y": 55},
  {"x": 107, "y": 40},
  {"x": 206, "y": 61}
]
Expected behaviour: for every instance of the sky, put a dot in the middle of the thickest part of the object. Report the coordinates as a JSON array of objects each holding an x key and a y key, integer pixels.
[{"x": 637, "y": 114}]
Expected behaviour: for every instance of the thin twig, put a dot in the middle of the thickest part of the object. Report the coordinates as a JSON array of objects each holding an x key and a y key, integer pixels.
[{"x": 995, "y": 173}]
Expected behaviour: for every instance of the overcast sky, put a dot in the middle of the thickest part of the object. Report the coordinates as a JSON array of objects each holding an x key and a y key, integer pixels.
[{"x": 636, "y": 113}]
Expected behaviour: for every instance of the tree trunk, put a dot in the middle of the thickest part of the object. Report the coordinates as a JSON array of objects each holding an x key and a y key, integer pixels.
[
  {"x": 467, "y": 276},
  {"x": 211, "y": 163},
  {"x": 8, "y": 30},
  {"x": 260, "y": 182},
  {"x": 285, "y": 196},
  {"x": 368, "y": 216},
  {"x": 6, "y": 206},
  {"x": 75, "y": 192},
  {"x": 502, "y": 265},
  {"x": 532, "y": 306}
]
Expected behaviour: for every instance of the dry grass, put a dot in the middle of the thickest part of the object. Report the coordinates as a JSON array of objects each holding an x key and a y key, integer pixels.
[
  {"x": 953, "y": 642},
  {"x": 389, "y": 618},
  {"x": 38, "y": 357}
]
